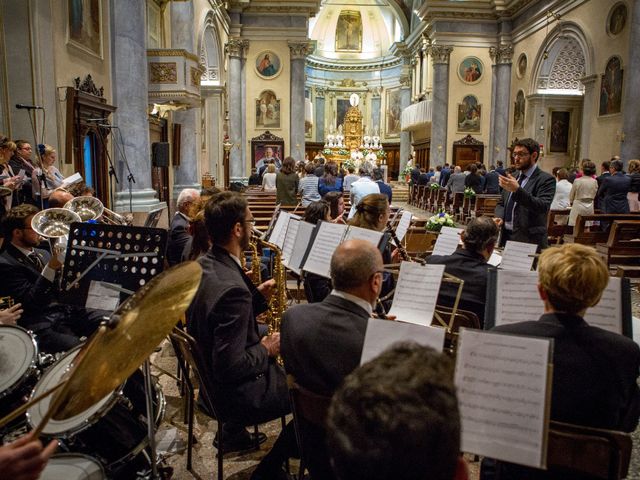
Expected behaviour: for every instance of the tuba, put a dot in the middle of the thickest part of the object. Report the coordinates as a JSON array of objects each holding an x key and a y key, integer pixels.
[
  {"x": 91, "y": 208},
  {"x": 54, "y": 223}
]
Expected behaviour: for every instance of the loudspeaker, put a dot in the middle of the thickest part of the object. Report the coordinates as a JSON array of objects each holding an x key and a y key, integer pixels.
[{"x": 160, "y": 154}]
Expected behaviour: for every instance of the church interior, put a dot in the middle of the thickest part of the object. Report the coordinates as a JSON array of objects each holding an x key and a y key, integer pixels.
[{"x": 148, "y": 99}]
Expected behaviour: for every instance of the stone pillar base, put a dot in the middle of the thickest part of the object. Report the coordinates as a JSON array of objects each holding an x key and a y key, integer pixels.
[
  {"x": 142, "y": 201},
  {"x": 243, "y": 180}
]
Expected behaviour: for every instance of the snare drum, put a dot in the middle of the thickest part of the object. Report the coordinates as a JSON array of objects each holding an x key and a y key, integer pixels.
[
  {"x": 72, "y": 466},
  {"x": 18, "y": 367},
  {"x": 113, "y": 430}
]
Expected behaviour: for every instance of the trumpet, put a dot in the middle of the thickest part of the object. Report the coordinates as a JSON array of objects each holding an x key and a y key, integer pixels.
[{"x": 91, "y": 208}]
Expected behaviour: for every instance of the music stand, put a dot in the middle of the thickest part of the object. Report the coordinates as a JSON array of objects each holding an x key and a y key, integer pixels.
[{"x": 153, "y": 218}]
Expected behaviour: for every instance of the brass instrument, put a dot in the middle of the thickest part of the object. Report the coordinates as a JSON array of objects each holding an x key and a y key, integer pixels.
[
  {"x": 256, "y": 264},
  {"x": 278, "y": 301},
  {"x": 6, "y": 302},
  {"x": 91, "y": 208}
]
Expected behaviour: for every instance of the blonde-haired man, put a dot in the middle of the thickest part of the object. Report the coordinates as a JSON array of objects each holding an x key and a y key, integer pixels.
[{"x": 594, "y": 371}]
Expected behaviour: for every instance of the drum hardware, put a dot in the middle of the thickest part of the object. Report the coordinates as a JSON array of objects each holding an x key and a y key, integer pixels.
[{"x": 73, "y": 466}]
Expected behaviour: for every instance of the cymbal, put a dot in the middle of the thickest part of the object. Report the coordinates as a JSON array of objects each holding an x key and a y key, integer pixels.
[{"x": 113, "y": 354}]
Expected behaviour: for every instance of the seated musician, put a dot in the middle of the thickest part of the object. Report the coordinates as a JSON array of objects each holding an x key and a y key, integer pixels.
[
  {"x": 595, "y": 371},
  {"x": 396, "y": 418},
  {"x": 251, "y": 386},
  {"x": 322, "y": 342},
  {"x": 316, "y": 287},
  {"x": 28, "y": 276},
  {"x": 25, "y": 458},
  {"x": 469, "y": 264},
  {"x": 59, "y": 198},
  {"x": 178, "y": 234}
]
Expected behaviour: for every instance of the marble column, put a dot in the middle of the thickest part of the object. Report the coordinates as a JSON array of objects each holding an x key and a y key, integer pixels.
[
  {"x": 631, "y": 109},
  {"x": 187, "y": 174},
  {"x": 130, "y": 95},
  {"x": 440, "y": 108},
  {"x": 589, "y": 111},
  {"x": 213, "y": 105},
  {"x": 376, "y": 103},
  {"x": 319, "y": 115},
  {"x": 299, "y": 52},
  {"x": 500, "y": 102},
  {"x": 236, "y": 49},
  {"x": 405, "y": 136}
]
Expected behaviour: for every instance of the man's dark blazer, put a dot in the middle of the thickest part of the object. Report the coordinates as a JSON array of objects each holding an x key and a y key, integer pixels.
[
  {"x": 423, "y": 179},
  {"x": 532, "y": 207},
  {"x": 444, "y": 176},
  {"x": 251, "y": 388},
  {"x": 491, "y": 185},
  {"x": 470, "y": 267},
  {"x": 178, "y": 238},
  {"x": 613, "y": 192},
  {"x": 415, "y": 174},
  {"x": 386, "y": 189},
  {"x": 595, "y": 376},
  {"x": 500, "y": 170}
]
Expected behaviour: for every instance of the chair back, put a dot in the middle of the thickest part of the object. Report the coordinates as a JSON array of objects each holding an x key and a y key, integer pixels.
[
  {"x": 589, "y": 451},
  {"x": 310, "y": 406}
]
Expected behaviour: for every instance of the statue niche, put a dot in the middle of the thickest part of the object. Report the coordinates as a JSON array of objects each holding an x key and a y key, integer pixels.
[{"x": 353, "y": 128}]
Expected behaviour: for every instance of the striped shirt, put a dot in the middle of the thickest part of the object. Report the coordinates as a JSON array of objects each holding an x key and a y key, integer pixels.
[{"x": 308, "y": 186}]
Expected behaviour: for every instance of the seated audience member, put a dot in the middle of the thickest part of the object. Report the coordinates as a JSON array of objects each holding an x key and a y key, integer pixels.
[
  {"x": 473, "y": 180},
  {"x": 330, "y": 181},
  {"x": 269, "y": 178},
  {"x": 349, "y": 178},
  {"x": 254, "y": 178},
  {"x": 251, "y": 386},
  {"x": 423, "y": 179},
  {"x": 316, "y": 287},
  {"x": 25, "y": 458},
  {"x": 336, "y": 204},
  {"x": 396, "y": 418},
  {"x": 308, "y": 186},
  {"x": 59, "y": 198},
  {"x": 469, "y": 264},
  {"x": 178, "y": 234},
  {"x": 361, "y": 188},
  {"x": 595, "y": 371},
  {"x": 322, "y": 343},
  {"x": 384, "y": 187},
  {"x": 28, "y": 276}
]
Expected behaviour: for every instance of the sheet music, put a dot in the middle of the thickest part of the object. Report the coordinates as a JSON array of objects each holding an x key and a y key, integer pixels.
[
  {"x": 103, "y": 297},
  {"x": 268, "y": 233},
  {"x": 416, "y": 292},
  {"x": 289, "y": 240},
  {"x": 448, "y": 241},
  {"x": 359, "y": 233},
  {"x": 495, "y": 259},
  {"x": 517, "y": 298},
  {"x": 305, "y": 230},
  {"x": 607, "y": 314},
  {"x": 381, "y": 334},
  {"x": 518, "y": 256},
  {"x": 327, "y": 239},
  {"x": 403, "y": 225},
  {"x": 70, "y": 180},
  {"x": 502, "y": 393},
  {"x": 280, "y": 228}
]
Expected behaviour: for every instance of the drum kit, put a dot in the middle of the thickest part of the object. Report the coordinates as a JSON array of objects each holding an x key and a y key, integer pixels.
[{"x": 94, "y": 399}]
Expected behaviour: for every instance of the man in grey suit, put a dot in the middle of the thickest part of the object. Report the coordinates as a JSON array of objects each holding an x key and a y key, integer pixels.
[
  {"x": 522, "y": 211},
  {"x": 456, "y": 181},
  {"x": 321, "y": 343}
]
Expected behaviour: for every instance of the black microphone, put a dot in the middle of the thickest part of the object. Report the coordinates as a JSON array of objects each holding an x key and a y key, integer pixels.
[{"x": 20, "y": 106}]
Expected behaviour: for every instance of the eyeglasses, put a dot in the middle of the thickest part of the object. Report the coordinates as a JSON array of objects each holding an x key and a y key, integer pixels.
[
  {"x": 520, "y": 154},
  {"x": 251, "y": 221}
]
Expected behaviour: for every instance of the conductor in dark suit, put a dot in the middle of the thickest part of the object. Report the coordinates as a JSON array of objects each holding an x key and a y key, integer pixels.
[
  {"x": 469, "y": 264},
  {"x": 28, "y": 276},
  {"x": 322, "y": 343},
  {"x": 178, "y": 231},
  {"x": 595, "y": 371},
  {"x": 613, "y": 190},
  {"x": 522, "y": 211},
  {"x": 251, "y": 386}
]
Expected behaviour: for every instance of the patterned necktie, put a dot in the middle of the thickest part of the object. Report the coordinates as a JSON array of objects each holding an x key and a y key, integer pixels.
[
  {"x": 511, "y": 204},
  {"x": 35, "y": 260}
]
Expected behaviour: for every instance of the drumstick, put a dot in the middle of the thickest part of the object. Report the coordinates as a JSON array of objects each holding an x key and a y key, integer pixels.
[{"x": 20, "y": 410}]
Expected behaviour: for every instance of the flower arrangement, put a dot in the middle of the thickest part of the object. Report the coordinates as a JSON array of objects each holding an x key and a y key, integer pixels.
[
  {"x": 434, "y": 186},
  {"x": 438, "y": 221},
  {"x": 469, "y": 192},
  {"x": 327, "y": 151},
  {"x": 343, "y": 151},
  {"x": 407, "y": 169},
  {"x": 348, "y": 163}
]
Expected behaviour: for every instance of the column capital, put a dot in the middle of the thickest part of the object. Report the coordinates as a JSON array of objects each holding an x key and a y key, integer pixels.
[
  {"x": 502, "y": 54},
  {"x": 589, "y": 80},
  {"x": 300, "y": 50},
  {"x": 236, "y": 47},
  {"x": 376, "y": 92},
  {"x": 320, "y": 91},
  {"x": 440, "y": 53}
]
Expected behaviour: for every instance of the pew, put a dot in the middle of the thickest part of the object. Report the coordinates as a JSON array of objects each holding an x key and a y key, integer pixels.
[
  {"x": 623, "y": 245},
  {"x": 557, "y": 225},
  {"x": 589, "y": 229},
  {"x": 485, "y": 205}
]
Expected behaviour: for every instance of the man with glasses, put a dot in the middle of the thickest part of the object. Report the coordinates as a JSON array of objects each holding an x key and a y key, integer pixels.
[
  {"x": 251, "y": 386},
  {"x": 322, "y": 342},
  {"x": 21, "y": 160},
  {"x": 522, "y": 211}
]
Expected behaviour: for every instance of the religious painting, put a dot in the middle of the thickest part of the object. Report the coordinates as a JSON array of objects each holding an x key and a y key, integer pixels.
[
  {"x": 349, "y": 31},
  {"x": 611, "y": 88},
  {"x": 342, "y": 105},
  {"x": 84, "y": 29},
  {"x": 617, "y": 19},
  {"x": 471, "y": 70},
  {"x": 559, "y": 132},
  {"x": 267, "y": 150},
  {"x": 469, "y": 115},
  {"x": 518, "y": 112},
  {"x": 267, "y": 110},
  {"x": 394, "y": 113},
  {"x": 521, "y": 67},
  {"x": 268, "y": 65}
]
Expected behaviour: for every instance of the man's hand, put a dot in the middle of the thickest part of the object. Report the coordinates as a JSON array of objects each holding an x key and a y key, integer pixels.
[
  {"x": 11, "y": 315},
  {"x": 267, "y": 288},
  {"x": 498, "y": 221},
  {"x": 272, "y": 344},
  {"x": 25, "y": 458},
  {"x": 54, "y": 263},
  {"x": 508, "y": 182}
]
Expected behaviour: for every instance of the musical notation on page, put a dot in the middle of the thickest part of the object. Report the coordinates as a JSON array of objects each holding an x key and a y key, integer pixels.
[
  {"x": 517, "y": 298},
  {"x": 607, "y": 313},
  {"x": 416, "y": 292},
  {"x": 328, "y": 237},
  {"x": 503, "y": 391},
  {"x": 372, "y": 236},
  {"x": 448, "y": 241},
  {"x": 382, "y": 334},
  {"x": 280, "y": 228},
  {"x": 303, "y": 236},
  {"x": 289, "y": 240},
  {"x": 403, "y": 225},
  {"x": 518, "y": 256}
]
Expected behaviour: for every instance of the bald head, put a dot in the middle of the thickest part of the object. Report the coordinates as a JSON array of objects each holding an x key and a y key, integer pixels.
[
  {"x": 353, "y": 263},
  {"x": 59, "y": 198}
]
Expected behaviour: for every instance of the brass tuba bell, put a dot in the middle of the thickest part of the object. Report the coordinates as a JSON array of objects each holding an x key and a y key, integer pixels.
[
  {"x": 54, "y": 222},
  {"x": 88, "y": 208}
]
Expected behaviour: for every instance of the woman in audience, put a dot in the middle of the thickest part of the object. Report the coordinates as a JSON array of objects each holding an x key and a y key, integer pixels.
[
  {"x": 634, "y": 189},
  {"x": 330, "y": 182},
  {"x": 47, "y": 173},
  {"x": 473, "y": 180},
  {"x": 7, "y": 178},
  {"x": 269, "y": 178},
  {"x": 287, "y": 183},
  {"x": 563, "y": 188},
  {"x": 583, "y": 192},
  {"x": 336, "y": 204},
  {"x": 308, "y": 186},
  {"x": 316, "y": 288}
]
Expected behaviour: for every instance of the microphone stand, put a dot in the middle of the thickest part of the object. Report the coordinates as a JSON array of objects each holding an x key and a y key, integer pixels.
[
  {"x": 130, "y": 178},
  {"x": 112, "y": 170}
]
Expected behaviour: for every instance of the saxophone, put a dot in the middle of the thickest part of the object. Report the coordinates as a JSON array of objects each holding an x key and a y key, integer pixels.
[
  {"x": 255, "y": 274},
  {"x": 278, "y": 301}
]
